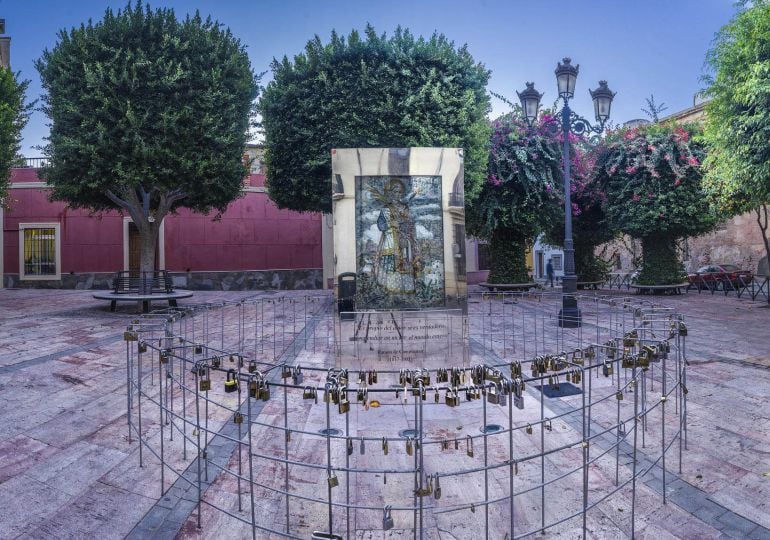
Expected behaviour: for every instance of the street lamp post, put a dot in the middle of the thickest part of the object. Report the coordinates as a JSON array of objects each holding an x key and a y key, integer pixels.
[{"x": 566, "y": 76}]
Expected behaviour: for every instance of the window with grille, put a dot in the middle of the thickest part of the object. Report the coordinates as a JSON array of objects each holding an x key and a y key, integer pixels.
[{"x": 39, "y": 251}]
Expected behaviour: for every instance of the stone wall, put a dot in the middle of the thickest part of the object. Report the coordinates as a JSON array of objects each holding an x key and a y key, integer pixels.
[
  {"x": 256, "y": 280},
  {"x": 738, "y": 241}
]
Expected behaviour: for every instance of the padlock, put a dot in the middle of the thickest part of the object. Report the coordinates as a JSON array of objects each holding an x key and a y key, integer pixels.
[
  {"x": 198, "y": 349},
  {"x": 385, "y": 446},
  {"x": 619, "y": 395},
  {"x": 622, "y": 428},
  {"x": 469, "y": 446},
  {"x": 436, "y": 396},
  {"x": 142, "y": 347},
  {"x": 308, "y": 393},
  {"x": 409, "y": 447},
  {"x": 264, "y": 391},
  {"x": 607, "y": 369},
  {"x": 502, "y": 393},
  {"x": 253, "y": 389},
  {"x": 344, "y": 404},
  {"x": 204, "y": 383},
  {"x": 492, "y": 396},
  {"x": 238, "y": 418},
  {"x": 518, "y": 401},
  {"x": 297, "y": 376},
  {"x": 216, "y": 361},
  {"x": 252, "y": 366},
  {"x": 350, "y": 446},
  {"x": 387, "y": 519},
  {"x": 437, "y": 488},
  {"x": 231, "y": 382},
  {"x": 333, "y": 480},
  {"x": 547, "y": 424},
  {"x": 450, "y": 398},
  {"x": 529, "y": 429},
  {"x": 362, "y": 447},
  {"x": 163, "y": 356},
  {"x": 285, "y": 372}
]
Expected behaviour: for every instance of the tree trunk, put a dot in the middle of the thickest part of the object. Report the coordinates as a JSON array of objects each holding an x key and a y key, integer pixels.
[
  {"x": 148, "y": 236},
  {"x": 508, "y": 257},
  {"x": 660, "y": 262},
  {"x": 762, "y": 212}
]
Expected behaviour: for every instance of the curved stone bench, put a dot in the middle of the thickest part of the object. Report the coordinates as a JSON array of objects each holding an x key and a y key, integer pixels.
[
  {"x": 502, "y": 287},
  {"x": 660, "y": 289},
  {"x": 143, "y": 301},
  {"x": 589, "y": 284}
]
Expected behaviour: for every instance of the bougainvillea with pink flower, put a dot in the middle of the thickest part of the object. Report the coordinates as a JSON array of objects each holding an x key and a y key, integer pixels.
[
  {"x": 589, "y": 225},
  {"x": 651, "y": 177},
  {"x": 521, "y": 195}
]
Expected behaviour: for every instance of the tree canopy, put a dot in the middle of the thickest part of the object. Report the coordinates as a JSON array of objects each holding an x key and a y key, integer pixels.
[
  {"x": 520, "y": 196},
  {"x": 369, "y": 91},
  {"x": 737, "y": 127},
  {"x": 738, "y": 117},
  {"x": 14, "y": 113},
  {"x": 652, "y": 178},
  {"x": 149, "y": 113}
]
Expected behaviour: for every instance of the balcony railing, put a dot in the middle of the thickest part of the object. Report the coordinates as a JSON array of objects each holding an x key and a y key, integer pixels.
[
  {"x": 457, "y": 199},
  {"x": 31, "y": 163}
]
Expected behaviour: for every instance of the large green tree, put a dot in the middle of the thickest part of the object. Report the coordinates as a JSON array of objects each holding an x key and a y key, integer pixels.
[
  {"x": 737, "y": 127},
  {"x": 369, "y": 91},
  {"x": 520, "y": 197},
  {"x": 14, "y": 113},
  {"x": 652, "y": 178},
  {"x": 148, "y": 113}
]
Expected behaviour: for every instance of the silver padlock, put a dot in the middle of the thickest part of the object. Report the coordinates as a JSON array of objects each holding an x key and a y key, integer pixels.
[
  {"x": 387, "y": 519},
  {"x": 437, "y": 488},
  {"x": 502, "y": 394},
  {"x": 362, "y": 447},
  {"x": 518, "y": 401}
]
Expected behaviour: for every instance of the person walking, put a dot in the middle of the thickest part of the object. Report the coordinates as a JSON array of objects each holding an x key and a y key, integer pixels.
[{"x": 549, "y": 272}]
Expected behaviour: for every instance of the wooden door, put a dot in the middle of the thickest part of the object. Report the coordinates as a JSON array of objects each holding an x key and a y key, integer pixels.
[{"x": 134, "y": 249}]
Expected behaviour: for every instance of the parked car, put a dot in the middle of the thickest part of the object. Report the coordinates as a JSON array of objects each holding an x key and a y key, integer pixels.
[{"x": 713, "y": 275}]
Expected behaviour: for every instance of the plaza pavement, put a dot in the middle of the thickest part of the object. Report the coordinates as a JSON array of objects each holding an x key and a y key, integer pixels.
[{"x": 68, "y": 471}]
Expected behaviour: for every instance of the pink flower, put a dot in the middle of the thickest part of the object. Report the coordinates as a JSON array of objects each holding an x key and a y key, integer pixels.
[
  {"x": 636, "y": 198},
  {"x": 631, "y": 170},
  {"x": 692, "y": 160},
  {"x": 650, "y": 196},
  {"x": 677, "y": 182},
  {"x": 660, "y": 216},
  {"x": 494, "y": 180},
  {"x": 650, "y": 148}
]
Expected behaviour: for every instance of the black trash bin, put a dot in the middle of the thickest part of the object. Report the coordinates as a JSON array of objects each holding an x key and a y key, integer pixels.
[{"x": 346, "y": 295}]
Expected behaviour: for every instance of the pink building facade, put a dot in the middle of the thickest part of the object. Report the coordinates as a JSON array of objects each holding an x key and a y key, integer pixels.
[{"x": 253, "y": 245}]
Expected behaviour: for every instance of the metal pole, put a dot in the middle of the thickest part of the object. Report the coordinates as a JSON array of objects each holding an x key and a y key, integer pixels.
[{"x": 569, "y": 316}]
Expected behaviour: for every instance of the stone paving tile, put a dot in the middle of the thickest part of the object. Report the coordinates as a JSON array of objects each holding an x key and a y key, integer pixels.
[{"x": 63, "y": 383}]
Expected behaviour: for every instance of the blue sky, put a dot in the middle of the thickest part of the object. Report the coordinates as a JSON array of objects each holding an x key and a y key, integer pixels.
[{"x": 639, "y": 47}]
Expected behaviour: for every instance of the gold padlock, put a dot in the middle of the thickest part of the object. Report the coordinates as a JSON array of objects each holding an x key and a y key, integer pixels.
[
  {"x": 238, "y": 418},
  {"x": 204, "y": 384},
  {"x": 333, "y": 480},
  {"x": 619, "y": 395},
  {"x": 409, "y": 447},
  {"x": 469, "y": 446},
  {"x": 529, "y": 429}
]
